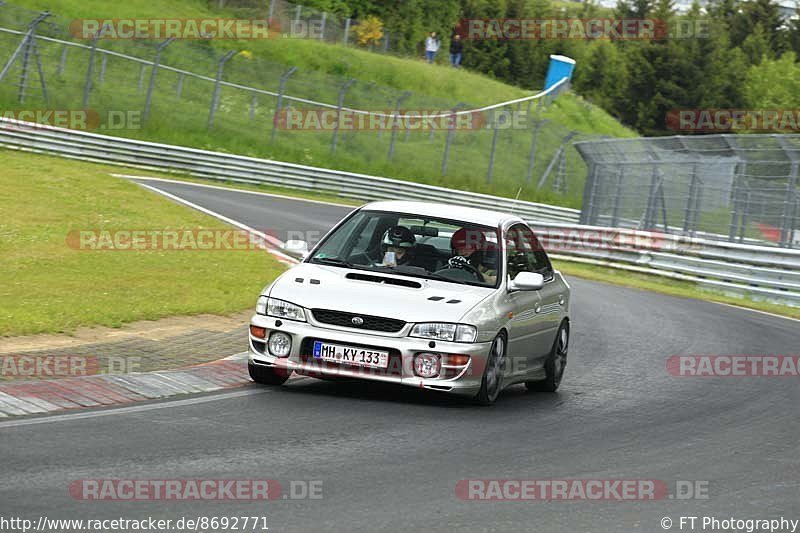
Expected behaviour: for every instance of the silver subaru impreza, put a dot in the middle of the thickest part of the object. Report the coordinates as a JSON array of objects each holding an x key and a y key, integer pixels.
[{"x": 433, "y": 296}]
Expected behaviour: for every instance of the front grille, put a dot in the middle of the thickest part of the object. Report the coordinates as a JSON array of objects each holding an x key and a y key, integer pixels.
[{"x": 372, "y": 323}]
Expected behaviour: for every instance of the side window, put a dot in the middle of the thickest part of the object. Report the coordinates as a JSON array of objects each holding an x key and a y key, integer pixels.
[{"x": 525, "y": 253}]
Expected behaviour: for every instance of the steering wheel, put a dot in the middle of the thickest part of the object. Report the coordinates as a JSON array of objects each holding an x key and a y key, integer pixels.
[{"x": 459, "y": 268}]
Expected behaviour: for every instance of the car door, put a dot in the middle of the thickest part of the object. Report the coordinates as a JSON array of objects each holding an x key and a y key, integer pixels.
[
  {"x": 525, "y": 326},
  {"x": 552, "y": 297}
]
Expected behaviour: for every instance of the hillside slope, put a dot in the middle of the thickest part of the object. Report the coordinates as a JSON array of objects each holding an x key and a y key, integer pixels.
[{"x": 243, "y": 123}]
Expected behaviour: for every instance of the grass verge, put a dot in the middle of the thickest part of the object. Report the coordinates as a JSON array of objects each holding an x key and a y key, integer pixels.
[{"x": 51, "y": 287}]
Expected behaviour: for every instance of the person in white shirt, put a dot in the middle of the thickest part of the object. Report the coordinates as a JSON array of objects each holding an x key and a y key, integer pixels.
[{"x": 432, "y": 44}]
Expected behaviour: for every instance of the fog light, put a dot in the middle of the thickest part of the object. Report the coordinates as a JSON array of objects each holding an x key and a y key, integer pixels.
[
  {"x": 280, "y": 344},
  {"x": 427, "y": 365},
  {"x": 257, "y": 331}
]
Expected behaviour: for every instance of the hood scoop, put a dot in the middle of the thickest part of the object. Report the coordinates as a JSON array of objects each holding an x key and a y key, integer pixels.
[{"x": 383, "y": 279}]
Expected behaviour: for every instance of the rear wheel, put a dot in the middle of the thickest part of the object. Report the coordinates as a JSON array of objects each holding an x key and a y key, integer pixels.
[
  {"x": 492, "y": 382},
  {"x": 266, "y": 375},
  {"x": 555, "y": 364}
]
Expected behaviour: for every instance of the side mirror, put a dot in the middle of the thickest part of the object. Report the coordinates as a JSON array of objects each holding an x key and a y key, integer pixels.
[
  {"x": 296, "y": 248},
  {"x": 526, "y": 281}
]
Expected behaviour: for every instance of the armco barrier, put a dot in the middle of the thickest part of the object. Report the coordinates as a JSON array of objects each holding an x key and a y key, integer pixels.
[
  {"x": 229, "y": 167},
  {"x": 759, "y": 272}
]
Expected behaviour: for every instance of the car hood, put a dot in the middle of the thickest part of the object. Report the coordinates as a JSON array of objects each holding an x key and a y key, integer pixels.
[{"x": 327, "y": 287}]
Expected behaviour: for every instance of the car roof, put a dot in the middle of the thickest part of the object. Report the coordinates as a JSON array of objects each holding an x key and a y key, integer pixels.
[{"x": 483, "y": 217}]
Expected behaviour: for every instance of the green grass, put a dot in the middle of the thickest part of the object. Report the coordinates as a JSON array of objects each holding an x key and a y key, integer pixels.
[
  {"x": 322, "y": 69},
  {"x": 671, "y": 287},
  {"x": 50, "y": 287}
]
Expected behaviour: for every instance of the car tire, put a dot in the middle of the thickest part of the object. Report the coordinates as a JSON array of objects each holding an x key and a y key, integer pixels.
[
  {"x": 556, "y": 363},
  {"x": 266, "y": 375},
  {"x": 492, "y": 382}
]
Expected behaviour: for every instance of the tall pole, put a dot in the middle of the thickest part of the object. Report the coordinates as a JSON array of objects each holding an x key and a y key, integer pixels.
[
  {"x": 279, "y": 102},
  {"x": 339, "y": 106},
  {"x": 215, "y": 98},
  {"x": 156, "y": 61}
]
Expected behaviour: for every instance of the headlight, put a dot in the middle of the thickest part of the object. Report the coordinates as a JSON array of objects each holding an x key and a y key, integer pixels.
[
  {"x": 441, "y": 331},
  {"x": 287, "y": 310},
  {"x": 261, "y": 305}
]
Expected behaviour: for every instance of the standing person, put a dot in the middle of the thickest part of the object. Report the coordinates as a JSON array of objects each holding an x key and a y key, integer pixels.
[
  {"x": 431, "y": 46},
  {"x": 456, "y": 50}
]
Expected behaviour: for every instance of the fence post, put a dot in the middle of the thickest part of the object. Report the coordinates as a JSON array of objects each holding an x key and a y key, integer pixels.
[
  {"x": 451, "y": 129},
  {"x": 63, "y": 63},
  {"x": 532, "y": 153},
  {"x": 179, "y": 87},
  {"x": 589, "y": 194},
  {"x": 395, "y": 123},
  {"x": 787, "y": 217},
  {"x": 90, "y": 70},
  {"x": 215, "y": 98},
  {"x": 253, "y": 104},
  {"x": 496, "y": 131},
  {"x": 23, "y": 77},
  {"x": 617, "y": 196},
  {"x": 279, "y": 101},
  {"x": 148, "y": 101},
  {"x": 690, "y": 201},
  {"x": 24, "y": 45},
  {"x": 140, "y": 83},
  {"x": 743, "y": 219},
  {"x": 556, "y": 156},
  {"x": 346, "y": 31},
  {"x": 339, "y": 106},
  {"x": 103, "y": 63}
]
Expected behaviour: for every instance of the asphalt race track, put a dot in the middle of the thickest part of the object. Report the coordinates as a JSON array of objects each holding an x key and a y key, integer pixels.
[{"x": 390, "y": 459}]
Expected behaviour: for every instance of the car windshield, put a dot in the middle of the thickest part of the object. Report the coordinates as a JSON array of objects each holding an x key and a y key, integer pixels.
[{"x": 410, "y": 245}]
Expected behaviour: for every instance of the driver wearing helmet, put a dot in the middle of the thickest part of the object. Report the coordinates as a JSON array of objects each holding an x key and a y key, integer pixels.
[
  {"x": 469, "y": 248},
  {"x": 400, "y": 241}
]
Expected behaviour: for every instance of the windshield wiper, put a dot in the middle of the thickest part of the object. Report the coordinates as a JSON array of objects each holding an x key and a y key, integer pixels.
[
  {"x": 335, "y": 261},
  {"x": 422, "y": 273}
]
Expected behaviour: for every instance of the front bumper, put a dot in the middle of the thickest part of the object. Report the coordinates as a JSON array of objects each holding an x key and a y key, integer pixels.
[{"x": 458, "y": 380}]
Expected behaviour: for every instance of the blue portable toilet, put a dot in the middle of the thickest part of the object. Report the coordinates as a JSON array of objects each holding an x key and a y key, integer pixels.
[{"x": 560, "y": 67}]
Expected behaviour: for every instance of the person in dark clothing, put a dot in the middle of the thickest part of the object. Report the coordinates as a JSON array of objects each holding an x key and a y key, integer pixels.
[{"x": 456, "y": 50}]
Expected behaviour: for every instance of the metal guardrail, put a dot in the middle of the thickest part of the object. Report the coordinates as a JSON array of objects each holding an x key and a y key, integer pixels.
[
  {"x": 759, "y": 272},
  {"x": 230, "y": 167}
]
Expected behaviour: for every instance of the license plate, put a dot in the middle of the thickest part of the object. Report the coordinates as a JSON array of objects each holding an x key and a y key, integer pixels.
[{"x": 348, "y": 355}]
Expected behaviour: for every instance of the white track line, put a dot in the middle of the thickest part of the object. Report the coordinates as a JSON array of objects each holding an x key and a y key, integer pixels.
[
  {"x": 277, "y": 243},
  {"x": 116, "y": 411},
  {"x": 757, "y": 311},
  {"x": 223, "y": 188}
]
